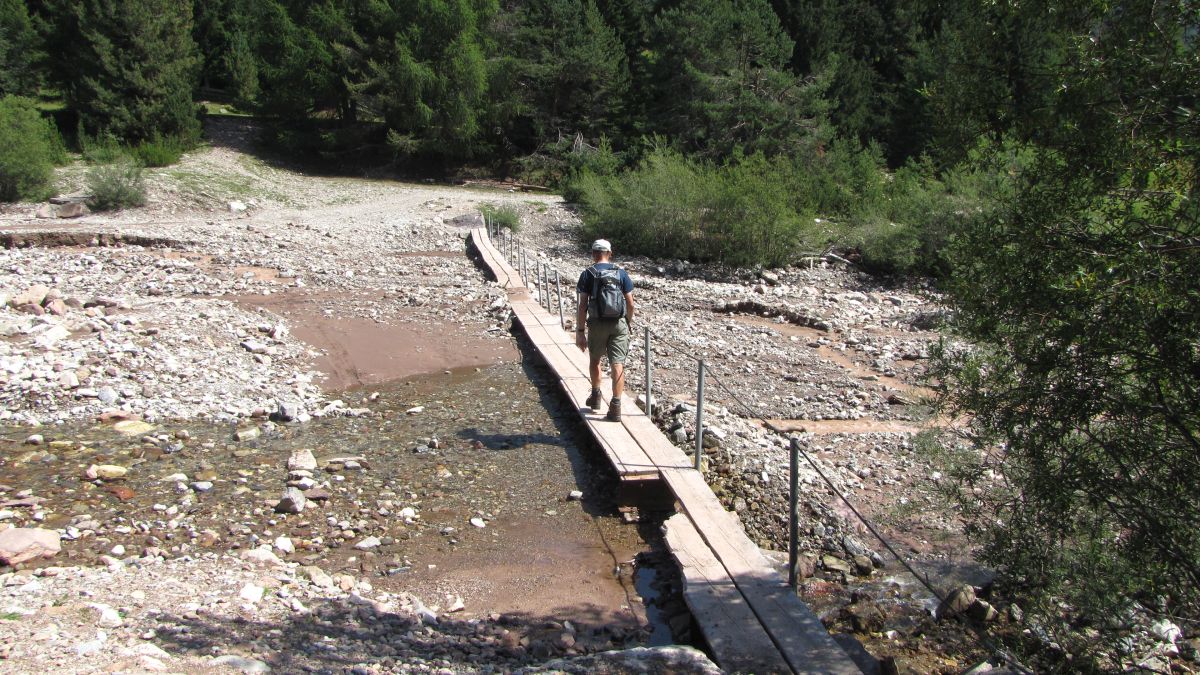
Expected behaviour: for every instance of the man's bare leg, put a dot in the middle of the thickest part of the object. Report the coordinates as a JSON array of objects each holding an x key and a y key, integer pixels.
[{"x": 618, "y": 378}]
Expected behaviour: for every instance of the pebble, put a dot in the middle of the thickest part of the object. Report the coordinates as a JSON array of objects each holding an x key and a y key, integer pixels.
[{"x": 368, "y": 544}]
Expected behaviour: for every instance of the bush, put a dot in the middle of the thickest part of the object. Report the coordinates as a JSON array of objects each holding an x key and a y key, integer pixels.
[
  {"x": 502, "y": 216},
  {"x": 671, "y": 206},
  {"x": 159, "y": 151},
  {"x": 27, "y": 150},
  {"x": 116, "y": 185}
]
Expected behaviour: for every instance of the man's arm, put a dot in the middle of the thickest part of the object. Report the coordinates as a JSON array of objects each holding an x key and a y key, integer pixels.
[
  {"x": 581, "y": 322},
  {"x": 629, "y": 310}
]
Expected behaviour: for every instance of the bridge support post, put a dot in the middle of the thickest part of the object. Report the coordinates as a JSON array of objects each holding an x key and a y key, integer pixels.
[
  {"x": 793, "y": 513},
  {"x": 558, "y": 290},
  {"x": 646, "y": 348},
  {"x": 700, "y": 416}
]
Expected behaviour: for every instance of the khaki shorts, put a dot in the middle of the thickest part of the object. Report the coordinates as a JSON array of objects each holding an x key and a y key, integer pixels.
[{"x": 609, "y": 338}]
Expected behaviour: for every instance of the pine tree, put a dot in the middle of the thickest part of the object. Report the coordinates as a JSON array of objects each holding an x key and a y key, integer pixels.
[
  {"x": 128, "y": 67},
  {"x": 18, "y": 50}
]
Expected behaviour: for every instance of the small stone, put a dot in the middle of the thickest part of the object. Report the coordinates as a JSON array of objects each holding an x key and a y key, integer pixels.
[
  {"x": 202, "y": 485},
  {"x": 285, "y": 545},
  {"x": 240, "y": 663},
  {"x": 72, "y": 210},
  {"x": 288, "y": 411},
  {"x": 982, "y": 611},
  {"x": 107, "y": 616},
  {"x": 835, "y": 564},
  {"x": 107, "y": 395},
  {"x": 478, "y": 522},
  {"x": 21, "y": 544},
  {"x": 575, "y": 495},
  {"x": 34, "y": 295},
  {"x": 368, "y": 544},
  {"x": 246, "y": 434},
  {"x": 106, "y": 472},
  {"x": 118, "y": 550},
  {"x": 317, "y": 576},
  {"x": 132, "y": 427},
  {"x": 262, "y": 554},
  {"x": 252, "y": 593},
  {"x": 237, "y": 206},
  {"x": 415, "y": 410},
  {"x": 302, "y": 460},
  {"x": 35, "y": 439},
  {"x": 956, "y": 602},
  {"x": 292, "y": 502}
]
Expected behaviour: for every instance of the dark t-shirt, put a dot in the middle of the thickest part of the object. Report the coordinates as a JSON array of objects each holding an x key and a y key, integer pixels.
[{"x": 587, "y": 281}]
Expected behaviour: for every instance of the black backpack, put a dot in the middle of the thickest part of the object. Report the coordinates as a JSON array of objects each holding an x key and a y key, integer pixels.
[{"x": 608, "y": 298}]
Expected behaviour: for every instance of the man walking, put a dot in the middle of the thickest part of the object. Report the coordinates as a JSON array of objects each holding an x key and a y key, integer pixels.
[{"x": 606, "y": 308}]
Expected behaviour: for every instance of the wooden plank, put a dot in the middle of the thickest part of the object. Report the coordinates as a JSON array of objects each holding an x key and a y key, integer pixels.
[
  {"x": 793, "y": 627},
  {"x": 738, "y": 641},
  {"x": 626, "y": 455}
]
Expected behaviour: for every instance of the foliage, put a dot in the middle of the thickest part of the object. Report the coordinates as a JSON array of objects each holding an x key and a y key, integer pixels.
[
  {"x": 1080, "y": 292},
  {"x": 673, "y": 206},
  {"x": 27, "y": 150},
  {"x": 127, "y": 67},
  {"x": 18, "y": 50},
  {"x": 501, "y": 216},
  {"x": 158, "y": 151},
  {"x": 721, "y": 83},
  {"x": 116, "y": 185}
]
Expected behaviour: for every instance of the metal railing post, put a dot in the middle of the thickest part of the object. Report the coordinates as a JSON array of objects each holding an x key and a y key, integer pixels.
[
  {"x": 558, "y": 291},
  {"x": 793, "y": 514},
  {"x": 649, "y": 399},
  {"x": 544, "y": 287},
  {"x": 699, "y": 415}
]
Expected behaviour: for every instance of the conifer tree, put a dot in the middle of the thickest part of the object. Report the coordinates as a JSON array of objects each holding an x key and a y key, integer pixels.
[
  {"x": 18, "y": 50},
  {"x": 128, "y": 67}
]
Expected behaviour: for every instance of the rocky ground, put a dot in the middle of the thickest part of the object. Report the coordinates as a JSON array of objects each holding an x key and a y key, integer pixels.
[{"x": 247, "y": 295}]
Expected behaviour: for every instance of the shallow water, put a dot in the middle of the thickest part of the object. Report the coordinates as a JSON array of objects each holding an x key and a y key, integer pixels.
[{"x": 508, "y": 455}]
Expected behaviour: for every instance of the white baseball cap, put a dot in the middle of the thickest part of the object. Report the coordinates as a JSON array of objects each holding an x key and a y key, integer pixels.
[{"x": 601, "y": 245}]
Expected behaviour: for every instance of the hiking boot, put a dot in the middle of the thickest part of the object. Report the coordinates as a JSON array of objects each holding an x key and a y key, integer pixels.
[
  {"x": 594, "y": 400},
  {"x": 614, "y": 411}
]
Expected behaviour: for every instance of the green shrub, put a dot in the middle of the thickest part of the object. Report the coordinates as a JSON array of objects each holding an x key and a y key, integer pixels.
[
  {"x": 502, "y": 216},
  {"x": 672, "y": 206},
  {"x": 116, "y": 185},
  {"x": 159, "y": 151},
  {"x": 101, "y": 149},
  {"x": 26, "y": 150}
]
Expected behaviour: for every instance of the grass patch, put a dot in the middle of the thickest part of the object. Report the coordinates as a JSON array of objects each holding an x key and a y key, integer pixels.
[{"x": 502, "y": 216}]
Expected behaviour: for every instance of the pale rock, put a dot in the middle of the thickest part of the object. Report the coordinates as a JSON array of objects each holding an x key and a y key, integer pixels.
[
  {"x": 132, "y": 427},
  {"x": 317, "y": 576},
  {"x": 368, "y": 544},
  {"x": 478, "y": 522},
  {"x": 107, "y": 617},
  {"x": 252, "y": 593},
  {"x": 241, "y": 663},
  {"x": 237, "y": 206},
  {"x": 263, "y": 554},
  {"x": 302, "y": 460},
  {"x": 34, "y": 295},
  {"x": 285, "y": 545},
  {"x": 21, "y": 544},
  {"x": 106, "y": 472},
  {"x": 293, "y": 501},
  {"x": 35, "y": 439},
  {"x": 247, "y": 434},
  {"x": 50, "y": 338},
  {"x": 175, "y": 478},
  {"x": 92, "y": 646},
  {"x": 107, "y": 395},
  {"x": 202, "y": 485},
  {"x": 72, "y": 210},
  {"x": 956, "y": 602}
]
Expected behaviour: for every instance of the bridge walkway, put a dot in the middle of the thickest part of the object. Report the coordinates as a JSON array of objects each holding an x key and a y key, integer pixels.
[{"x": 751, "y": 619}]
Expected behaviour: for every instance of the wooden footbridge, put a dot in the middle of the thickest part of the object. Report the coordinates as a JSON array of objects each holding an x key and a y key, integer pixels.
[{"x": 751, "y": 619}]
